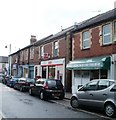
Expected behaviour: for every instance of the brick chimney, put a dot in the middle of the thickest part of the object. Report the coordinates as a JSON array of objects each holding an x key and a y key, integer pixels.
[{"x": 33, "y": 39}]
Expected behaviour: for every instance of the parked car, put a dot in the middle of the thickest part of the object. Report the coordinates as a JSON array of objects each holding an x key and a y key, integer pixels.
[
  {"x": 11, "y": 82},
  {"x": 6, "y": 78},
  {"x": 23, "y": 84},
  {"x": 1, "y": 79},
  {"x": 47, "y": 88},
  {"x": 98, "y": 94}
]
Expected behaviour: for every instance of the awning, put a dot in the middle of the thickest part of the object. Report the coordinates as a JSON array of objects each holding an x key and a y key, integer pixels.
[{"x": 90, "y": 63}]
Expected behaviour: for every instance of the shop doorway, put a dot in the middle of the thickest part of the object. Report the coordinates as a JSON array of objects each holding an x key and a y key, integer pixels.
[{"x": 43, "y": 72}]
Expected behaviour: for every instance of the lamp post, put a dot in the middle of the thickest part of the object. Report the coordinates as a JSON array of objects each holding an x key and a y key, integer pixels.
[{"x": 9, "y": 59}]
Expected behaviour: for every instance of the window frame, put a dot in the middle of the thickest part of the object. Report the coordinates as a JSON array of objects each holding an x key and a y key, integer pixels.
[
  {"x": 85, "y": 39},
  {"x": 106, "y": 34},
  {"x": 114, "y": 31},
  {"x": 55, "y": 48}
]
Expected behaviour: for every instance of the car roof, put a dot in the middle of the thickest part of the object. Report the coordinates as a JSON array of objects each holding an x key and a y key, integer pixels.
[
  {"x": 44, "y": 79},
  {"x": 104, "y": 79}
]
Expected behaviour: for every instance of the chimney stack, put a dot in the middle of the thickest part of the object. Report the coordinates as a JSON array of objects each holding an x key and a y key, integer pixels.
[{"x": 33, "y": 39}]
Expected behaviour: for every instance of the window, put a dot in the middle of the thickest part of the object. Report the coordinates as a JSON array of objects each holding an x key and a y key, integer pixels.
[
  {"x": 90, "y": 86},
  {"x": 86, "y": 40},
  {"x": 113, "y": 89},
  {"x": 32, "y": 53},
  {"x": 114, "y": 31},
  {"x": 26, "y": 54},
  {"x": 21, "y": 58},
  {"x": 55, "y": 50},
  {"x": 41, "y": 51},
  {"x": 103, "y": 84},
  {"x": 106, "y": 34}
]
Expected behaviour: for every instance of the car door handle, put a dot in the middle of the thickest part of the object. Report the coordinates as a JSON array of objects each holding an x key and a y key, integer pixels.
[
  {"x": 104, "y": 94},
  {"x": 91, "y": 94}
]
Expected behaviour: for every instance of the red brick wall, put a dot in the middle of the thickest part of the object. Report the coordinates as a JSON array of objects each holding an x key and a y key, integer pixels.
[
  {"x": 62, "y": 48},
  {"x": 94, "y": 50},
  {"x": 48, "y": 48}
]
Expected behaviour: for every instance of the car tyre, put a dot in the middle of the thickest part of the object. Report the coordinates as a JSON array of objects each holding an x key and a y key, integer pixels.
[
  {"x": 21, "y": 89},
  {"x": 61, "y": 97},
  {"x": 42, "y": 97},
  {"x": 109, "y": 110},
  {"x": 30, "y": 92},
  {"x": 74, "y": 102}
]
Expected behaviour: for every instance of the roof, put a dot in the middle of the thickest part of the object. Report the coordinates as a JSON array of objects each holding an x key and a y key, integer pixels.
[
  {"x": 55, "y": 36},
  {"x": 110, "y": 15}
]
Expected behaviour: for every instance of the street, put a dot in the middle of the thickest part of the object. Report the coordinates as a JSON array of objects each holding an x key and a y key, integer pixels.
[{"x": 16, "y": 104}]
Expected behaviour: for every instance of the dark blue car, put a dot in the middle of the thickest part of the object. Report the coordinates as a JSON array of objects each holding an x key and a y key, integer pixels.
[{"x": 12, "y": 81}]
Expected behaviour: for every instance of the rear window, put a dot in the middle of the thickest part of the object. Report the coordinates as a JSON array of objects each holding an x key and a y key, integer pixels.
[{"x": 53, "y": 83}]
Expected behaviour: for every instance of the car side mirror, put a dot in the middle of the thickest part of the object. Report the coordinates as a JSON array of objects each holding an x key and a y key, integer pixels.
[{"x": 82, "y": 89}]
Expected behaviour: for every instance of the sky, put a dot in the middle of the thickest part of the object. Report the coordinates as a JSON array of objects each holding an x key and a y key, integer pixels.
[{"x": 19, "y": 19}]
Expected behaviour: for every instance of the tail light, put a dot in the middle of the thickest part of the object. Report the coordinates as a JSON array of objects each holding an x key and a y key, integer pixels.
[{"x": 45, "y": 86}]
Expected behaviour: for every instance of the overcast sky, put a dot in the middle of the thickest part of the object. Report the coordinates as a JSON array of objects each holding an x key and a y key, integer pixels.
[{"x": 19, "y": 19}]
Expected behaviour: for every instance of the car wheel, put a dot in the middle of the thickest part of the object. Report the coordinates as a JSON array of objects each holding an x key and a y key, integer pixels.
[
  {"x": 42, "y": 96},
  {"x": 109, "y": 110},
  {"x": 61, "y": 97},
  {"x": 30, "y": 92},
  {"x": 21, "y": 89},
  {"x": 74, "y": 102}
]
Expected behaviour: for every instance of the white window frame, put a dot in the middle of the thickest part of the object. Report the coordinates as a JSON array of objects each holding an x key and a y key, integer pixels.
[
  {"x": 114, "y": 31},
  {"x": 41, "y": 51},
  {"x": 85, "y": 39},
  {"x": 56, "y": 47},
  {"x": 106, "y": 34}
]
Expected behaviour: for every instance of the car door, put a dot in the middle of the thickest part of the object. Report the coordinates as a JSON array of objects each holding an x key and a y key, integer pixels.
[
  {"x": 85, "y": 94},
  {"x": 102, "y": 93}
]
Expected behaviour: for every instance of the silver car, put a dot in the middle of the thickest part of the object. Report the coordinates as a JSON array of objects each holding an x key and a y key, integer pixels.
[{"x": 99, "y": 93}]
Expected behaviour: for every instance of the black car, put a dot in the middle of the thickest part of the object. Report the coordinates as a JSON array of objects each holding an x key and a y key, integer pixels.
[
  {"x": 47, "y": 88},
  {"x": 23, "y": 84}
]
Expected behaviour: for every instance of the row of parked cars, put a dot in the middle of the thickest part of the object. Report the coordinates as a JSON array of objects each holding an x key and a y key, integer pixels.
[
  {"x": 99, "y": 93},
  {"x": 44, "y": 88}
]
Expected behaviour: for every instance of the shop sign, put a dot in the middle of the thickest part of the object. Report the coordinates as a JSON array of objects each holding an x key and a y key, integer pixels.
[{"x": 52, "y": 62}]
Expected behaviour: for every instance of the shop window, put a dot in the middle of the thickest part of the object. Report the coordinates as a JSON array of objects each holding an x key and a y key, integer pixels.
[
  {"x": 103, "y": 74},
  {"x": 107, "y": 34},
  {"x": 51, "y": 70},
  {"x": 94, "y": 74}
]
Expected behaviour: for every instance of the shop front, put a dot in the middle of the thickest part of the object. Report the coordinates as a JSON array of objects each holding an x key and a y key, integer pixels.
[
  {"x": 53, "y": 69},
  {"x": 14, "y": 70},
  {"x": 31, "y": 71},
  {"x": 84, "y": 70},
  {"x": 25, "y": 71}
]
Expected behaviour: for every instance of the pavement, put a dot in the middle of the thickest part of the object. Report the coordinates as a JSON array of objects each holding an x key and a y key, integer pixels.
[{"x": 68, "y": 95}]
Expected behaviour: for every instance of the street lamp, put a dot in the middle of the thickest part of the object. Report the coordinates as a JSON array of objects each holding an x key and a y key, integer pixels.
[{"x": 9, "y": 59}]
